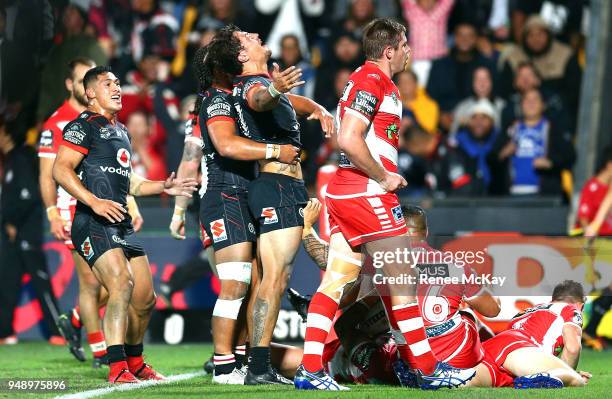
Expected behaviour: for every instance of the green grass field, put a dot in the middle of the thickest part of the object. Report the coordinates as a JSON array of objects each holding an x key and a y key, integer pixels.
[{"x": 39, "y": 360}]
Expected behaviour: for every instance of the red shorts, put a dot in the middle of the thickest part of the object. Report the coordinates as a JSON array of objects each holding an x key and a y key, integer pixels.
[
  {"x": 363, "y": 219},
  {"x": 206, "y": 241},
  {"x": 497, "y": 350},
  {"x": 67, "y": 214},
  {"x": 461, "y": 347}
]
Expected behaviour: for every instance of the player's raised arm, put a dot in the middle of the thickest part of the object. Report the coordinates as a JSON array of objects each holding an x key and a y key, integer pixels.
[
  {"x": 139, "y": 186},
  {"x": 304, "y": 106},
  {"x": 64, "y": 174},
  {"x": 261, "y": 98}
]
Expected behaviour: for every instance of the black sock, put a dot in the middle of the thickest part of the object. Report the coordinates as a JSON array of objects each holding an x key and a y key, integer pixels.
[
  {"x": 240, "y": 354},
  {"x": 259, "y": 359},
  {"x": 116, "y": 353},
  {"x": 133, "y": 350},
  {"x": 224, "y": 364}
]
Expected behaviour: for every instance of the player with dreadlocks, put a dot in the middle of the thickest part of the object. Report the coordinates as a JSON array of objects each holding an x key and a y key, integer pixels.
[{"x": 227, "y": 168}]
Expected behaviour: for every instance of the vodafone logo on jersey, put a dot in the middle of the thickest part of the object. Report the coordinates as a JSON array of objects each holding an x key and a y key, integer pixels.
[{"x": 123, "y": 157}]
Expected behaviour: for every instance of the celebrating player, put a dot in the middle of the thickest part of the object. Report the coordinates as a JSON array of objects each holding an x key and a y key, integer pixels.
[
  {"x": 541, "y": 349},
  {"x": 98, "y": 146},
  {"x": 267, "y": 115},
  {"x": 363, "y": 209},
  {"x": 224, "y": 212}
]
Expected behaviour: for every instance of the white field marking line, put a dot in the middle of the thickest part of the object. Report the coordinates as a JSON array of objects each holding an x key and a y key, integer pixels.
[{"x": 128, "y": 387}]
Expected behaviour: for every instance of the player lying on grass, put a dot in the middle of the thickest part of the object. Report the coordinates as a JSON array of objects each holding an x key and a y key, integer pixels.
[
  {"x": 541, "y": 349},
  {"x": 364, "y": 351}
]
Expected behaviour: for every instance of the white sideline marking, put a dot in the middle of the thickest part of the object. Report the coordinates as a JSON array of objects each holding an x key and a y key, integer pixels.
[{"x": 128, "y": 387}]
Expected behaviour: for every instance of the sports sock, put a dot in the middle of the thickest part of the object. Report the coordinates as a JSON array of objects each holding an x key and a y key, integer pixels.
[
  {"x": 259, "y": 359},
  {"x": 135, "y": 360},
  {"x": 97, "y": 343},
  {"x": 75, "y": 318},
  {"x": 224, "y": 363},
  {"x": 411, "y": 325},
  {"x": 321, "y": 313},
  {"x": 240, "y": 354},
  {"x": 117, "y": 359}
]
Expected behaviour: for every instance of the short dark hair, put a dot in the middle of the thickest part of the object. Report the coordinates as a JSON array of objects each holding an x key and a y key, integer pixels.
[
  {"x": 92, "y": 74},
  {"x": 379, "y": 34},
  {"x": 568, "y": 290},
  {"x": 604, "y": 158},
  {"x": 416, "y": 132},
  {"x": 530, "y": 65},
  {"x": 78, "y": 61},
  {"x": 416, "y": 219}
]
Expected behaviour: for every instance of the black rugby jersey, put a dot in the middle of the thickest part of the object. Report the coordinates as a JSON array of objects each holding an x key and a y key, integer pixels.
[
  {"x": 277, "y": 126},
  {"x": 106, "y": 168},
  {"x": 218, "y": 172}
]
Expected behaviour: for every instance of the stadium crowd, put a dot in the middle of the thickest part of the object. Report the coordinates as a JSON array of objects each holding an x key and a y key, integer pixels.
[{"x": 489, "y": 104}]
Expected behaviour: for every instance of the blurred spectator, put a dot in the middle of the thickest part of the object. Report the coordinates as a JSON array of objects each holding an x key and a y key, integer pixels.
[
  {"x": 143, "y": 159},
  {"x": 594, "y": 192},
  {"x": 417, "y": 105},
  {"x": 525, "y": 79},
  {"x": 75, "y": 42},
  {"x": 330, "y": 98},
  {"x": 564, "y": 17},
  {"x": 427, "y": 23},
  {"x": 476, "y": 142},
  {"x": 21, "y": 232},
  {"x": 482, "y": 88},
  {"x": 360, "y": 12},
  {"x": 382, "y": 9},
  {"x": 534, "y": 152},
  {"x": 450, "y": 79},
  {"x": 276, "y": 18},
  {"x": 554, "y": 61},
  {"x": 215, "y": 14},
  {"x": 486, "y": 15},
  {"x": 291, "y": 55}
]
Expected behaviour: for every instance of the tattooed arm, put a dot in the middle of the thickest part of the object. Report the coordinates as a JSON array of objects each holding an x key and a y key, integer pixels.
[{"x": 316, "y": 248}]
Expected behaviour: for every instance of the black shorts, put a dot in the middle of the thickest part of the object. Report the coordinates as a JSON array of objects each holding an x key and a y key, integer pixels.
[
  {"x": 225, "y": 216},
  {"x": 92, "y": 239},
  {"x": 277, "y": 202}
]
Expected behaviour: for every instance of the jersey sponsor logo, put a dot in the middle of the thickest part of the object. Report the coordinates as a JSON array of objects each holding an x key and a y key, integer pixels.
[
  {"x": 577, "y": 318},
  {"x": 269, "y": 215},
  {"x": 218, "y": 108},
  {"x": 391, "y": 131},
  {"x": 105, "y": 133},
  {"x": 394, "y": 98},
  {"x": 123, "y": 157},
  {"x": 251, "y": 228},
  {"x": 87, "y": 249},
  {"x": 301, "y": 212},
  {"x": 118, "y": 171},
  {"x": 364, "y": 102},
  {"x": 217, "y": 228},
  {"x": 374, "y": 76},
  {"x": 119, "y": 240},
  {"x": 397, "y": 213},
  {"x": 46, "y": 138},
  {"x": 74, "y": 134}
]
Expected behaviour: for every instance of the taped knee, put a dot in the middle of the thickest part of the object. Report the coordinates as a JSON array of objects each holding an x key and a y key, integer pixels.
[
  {"x": 237, "y": 271},
  {"x": 227, "y": 308}
]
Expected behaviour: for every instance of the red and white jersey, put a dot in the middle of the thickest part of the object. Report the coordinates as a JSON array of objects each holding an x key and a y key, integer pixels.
[
  {"x": 373, "y": 97},
  {"x": 544, "y": 323},
  {"x": 50, "y": 140}
]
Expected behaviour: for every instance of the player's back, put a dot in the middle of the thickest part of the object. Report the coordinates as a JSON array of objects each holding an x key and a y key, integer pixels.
[
  {"x": 544, "y": 323},
  {"x": 371, "y": 96}
]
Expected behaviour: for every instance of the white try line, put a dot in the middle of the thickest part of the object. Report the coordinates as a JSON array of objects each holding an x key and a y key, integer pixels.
[{"x": 128, "y": 387}]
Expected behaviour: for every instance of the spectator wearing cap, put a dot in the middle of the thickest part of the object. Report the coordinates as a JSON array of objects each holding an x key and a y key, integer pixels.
[
  {"x": 482, "y": 88},
  {"x": 75, "y": 42},
  {"x": 554, "y": 61},
  {"x": 534, "y": 151},
  {"x": 475, "y": 142},
  {"x": 450, "y": 79},
  {"x": 418, "y": 107}
]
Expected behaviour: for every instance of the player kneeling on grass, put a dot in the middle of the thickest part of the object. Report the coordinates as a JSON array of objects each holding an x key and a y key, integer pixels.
[
  {"x": 98, "y": 147},
  {"x": 541, "y": 349}
]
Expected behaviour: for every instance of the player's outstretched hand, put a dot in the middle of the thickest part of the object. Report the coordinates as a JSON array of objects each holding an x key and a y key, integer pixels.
[
  {"x": 113, "y": 211},
  {"x": 177, "y": 228},
  {"x": 311, "y": 212},
  {"x": 286, "y": 80},
  {"x": 289, "y": 154},
  {"x": 180, "y": 187},
  {"x": 586, "y": 376},
  {"x": 326, "y": 119},
  {"x": 392, "y": 182}
]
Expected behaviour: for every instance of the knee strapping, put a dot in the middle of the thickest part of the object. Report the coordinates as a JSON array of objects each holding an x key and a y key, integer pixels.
[
  {"x": 237, "y": 271},
  {"x": 227, "y": 308}
]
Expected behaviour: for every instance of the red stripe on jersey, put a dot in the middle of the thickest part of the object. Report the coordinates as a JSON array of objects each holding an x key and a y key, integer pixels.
[
  {"x": 220, "y": 118},
  {"x": 388, "y": 165},
  {"x": 75, "y": 147}
]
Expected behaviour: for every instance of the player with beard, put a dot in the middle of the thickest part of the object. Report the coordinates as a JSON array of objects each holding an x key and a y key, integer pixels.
[
  {"x": 97, "y": 147},
  {"x": 227, "y": 162},
  {"x": 60, "y": 212},
  {"x": 267, "y": 114}
]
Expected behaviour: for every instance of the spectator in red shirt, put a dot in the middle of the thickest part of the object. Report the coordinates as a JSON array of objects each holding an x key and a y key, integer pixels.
[{"x": 593, "y": 194}]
